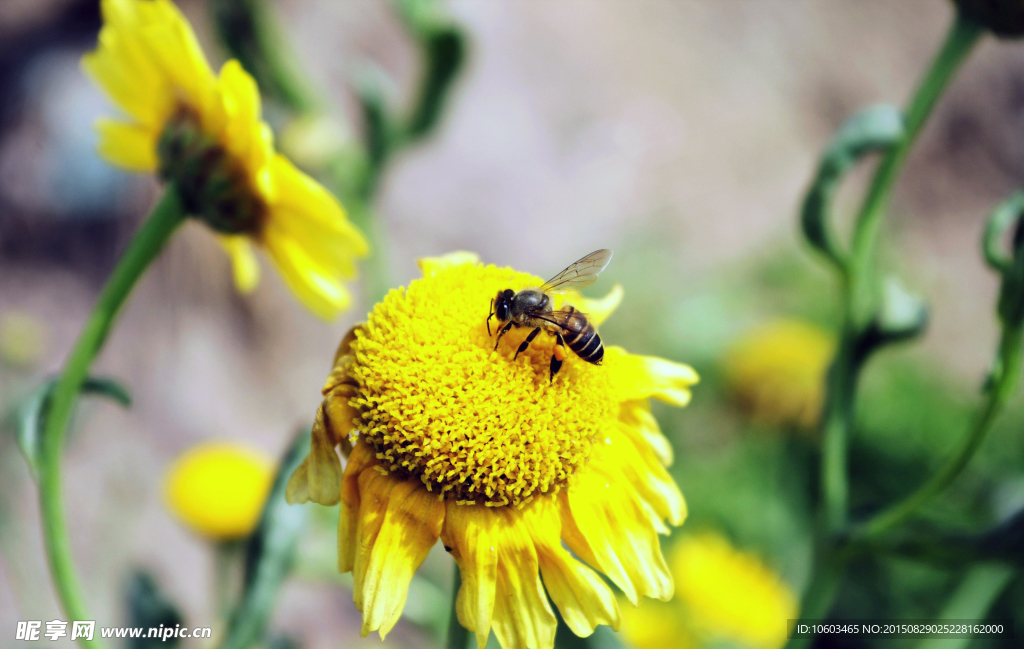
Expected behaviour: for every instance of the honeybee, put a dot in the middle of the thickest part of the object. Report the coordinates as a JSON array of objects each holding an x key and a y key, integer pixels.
[{"x": 532, "y": 307}]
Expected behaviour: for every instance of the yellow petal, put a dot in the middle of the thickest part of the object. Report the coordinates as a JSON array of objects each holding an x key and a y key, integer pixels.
[
  {"x": 244, "y": 265},
  {"x": 374, "y": 490},
  {"x": 431, "y": 266},
  {"x": 243, "y": 134},
  {"x": 638, "y": 416},
  {"x": 522, "y": 615},
  {"x": 122, "y": 86},
  {"x": 468, "y": 533},
  {"x": 411, "y": 526},
  {"x": 336, "y": 248},
  {"x": 640, "y": 377},
  {"x": 316, "y": 287},
  {"x": 626, "y": 451},
  {"x": 300, "y": 198},
  {"x": 599, "y": 309},
  {"x": 318, "y": 478},
  {"x": 129, "y": 146},
  {"x": 582, "y": 597},
  {"x": 606, "y": 525},
  {"x": 176, "y": 50},
  {"x": 359, "y": 460}
]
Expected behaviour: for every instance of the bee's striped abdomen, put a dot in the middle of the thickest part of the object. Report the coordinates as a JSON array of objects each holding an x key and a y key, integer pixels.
[{"x": 586, "y": 343}]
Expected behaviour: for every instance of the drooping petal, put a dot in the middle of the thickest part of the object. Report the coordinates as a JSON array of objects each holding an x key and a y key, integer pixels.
[
  {"x": 244, "y": 265},
  {"x": 522, "y": 615},
  {"x": 582, "y": 597},
  {"x": 129, "y": 146},
  {"x": 640, "y": 377},
  {"x": 501, "y": 585},
  {"x": 318, "y": 478},
  {"x": 627, "y": 453},
  {"x": 411, "y": 526},
  {"x": 468, "y": 533},
  {"x": 359, "y": 460},
  {"x": 317, "y": 287},
  {"x": 301, "y": 199},
  {"x": 637, "y": 415},
  {"x": 431, "y": 266},
  {"x": 606, "y": 524}
]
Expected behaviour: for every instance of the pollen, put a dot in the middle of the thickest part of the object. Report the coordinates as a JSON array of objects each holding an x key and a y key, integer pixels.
[{"x": 438, "y": 402}]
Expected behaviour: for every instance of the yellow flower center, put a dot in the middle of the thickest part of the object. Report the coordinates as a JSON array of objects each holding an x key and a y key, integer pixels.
[
  {"x": 437, "y": 402},
  {"x": 213, "y": 185}
]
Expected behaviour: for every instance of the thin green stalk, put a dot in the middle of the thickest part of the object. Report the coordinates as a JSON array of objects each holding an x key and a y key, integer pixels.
[
  {"x": 960, "y": 40},
  {"x": 841, "y": 390},
  {"x": 861, "y": 290},
  {"x": 817, "y": 601},
  {"x": 458, "y": 635},
  {"x": 1005, "y": 381},
  {"x": 144, "y": 247}
]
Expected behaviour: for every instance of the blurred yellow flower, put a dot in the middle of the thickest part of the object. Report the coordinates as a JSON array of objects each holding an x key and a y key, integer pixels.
[
  {"x": 721, "y": 594},
  {"x": 777, "y": 372},
  {"x": 22, "y": 338},
  {"x": 448, "y": 438},
  {"x": 219, "y": 489},
  {"x": 203, "y": 133}
]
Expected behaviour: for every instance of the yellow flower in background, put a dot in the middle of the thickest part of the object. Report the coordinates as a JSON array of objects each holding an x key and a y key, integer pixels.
[
  {"x": 203, "y": 133},
  {"x": 732, "y": 594},
  {"x": 219, "y": 489},
  {"x": 448, "y": 439},
  {"x": 777, "y": 372},
  {"x": 721, "y": 594}
]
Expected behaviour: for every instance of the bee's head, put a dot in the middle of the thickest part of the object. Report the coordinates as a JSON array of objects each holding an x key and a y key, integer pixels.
[{"x": 503, "y": 305}]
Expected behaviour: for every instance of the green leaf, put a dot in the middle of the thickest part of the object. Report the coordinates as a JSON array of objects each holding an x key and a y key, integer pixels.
[
  {"x": 149, "y": 608},
  {"x": 31, "y": 415},
  {"x": 874, "y": 129},
  {"x": 269, "y": 554}
]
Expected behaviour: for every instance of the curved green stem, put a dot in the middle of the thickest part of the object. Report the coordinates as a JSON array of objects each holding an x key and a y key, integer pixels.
[
  {"x": 960, "y": 40},
  {"x": 1005, "y": 379},
  {"x": 458, "y": 635},
  {"x": 861, "y": 289},
  {"x": 144, "y": 247}
]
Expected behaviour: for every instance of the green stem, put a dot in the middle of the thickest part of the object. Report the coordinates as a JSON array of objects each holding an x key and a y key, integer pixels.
[
  {"x": 1004, "y": 382},
  {"x": 820, "y": 595},
  {"x": 861, "y": 289},
  {"x": 960, "y": 40},
  {"x": 144, "y": 247},
  {"x": 458, "y": 635},
  {"x": 841, "y": 391}
]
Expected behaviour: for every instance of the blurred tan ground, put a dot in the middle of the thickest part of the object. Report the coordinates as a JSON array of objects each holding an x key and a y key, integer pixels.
[{"x": 679, "y": 133}]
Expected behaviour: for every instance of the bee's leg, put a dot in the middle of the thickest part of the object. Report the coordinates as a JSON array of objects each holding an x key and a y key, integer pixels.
[
  {"x": 557, "y": 356},
  {"x": 526, "y": 343},
  {"x": 489, "y": 316},
  {"x": 504, "y": 330}
]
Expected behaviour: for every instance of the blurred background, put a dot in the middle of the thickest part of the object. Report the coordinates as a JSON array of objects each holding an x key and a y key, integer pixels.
[{"x": 680, "y": 134}]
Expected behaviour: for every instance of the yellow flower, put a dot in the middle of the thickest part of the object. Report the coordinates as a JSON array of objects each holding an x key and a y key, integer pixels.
[
  {"x": 203, "y": 133},
  {"x": 721, "y": 594},
  {"x": 219, "y": 489},
  {"x": 777, "y": 372},
  {"x": 447, "y": 438}
]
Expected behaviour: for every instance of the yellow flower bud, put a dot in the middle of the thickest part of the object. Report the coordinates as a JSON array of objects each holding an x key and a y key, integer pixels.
[{"x": 218, "y": 489}]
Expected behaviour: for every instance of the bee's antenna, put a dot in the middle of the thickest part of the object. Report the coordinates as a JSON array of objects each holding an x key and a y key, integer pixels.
[{"x": 489, "y": 316}]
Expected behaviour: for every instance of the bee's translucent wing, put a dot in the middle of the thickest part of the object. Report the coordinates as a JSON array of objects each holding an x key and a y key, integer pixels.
[{"x": 579, "y": 275}]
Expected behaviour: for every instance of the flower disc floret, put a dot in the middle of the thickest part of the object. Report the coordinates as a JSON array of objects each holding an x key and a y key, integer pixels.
[{"x": 437, "y": 401}]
